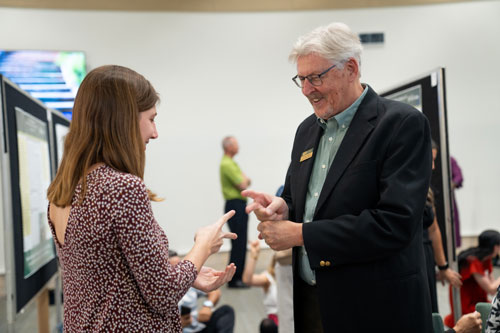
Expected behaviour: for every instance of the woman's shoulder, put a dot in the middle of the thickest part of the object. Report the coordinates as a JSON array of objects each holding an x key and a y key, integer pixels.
[{"x": 117, "y": 182}]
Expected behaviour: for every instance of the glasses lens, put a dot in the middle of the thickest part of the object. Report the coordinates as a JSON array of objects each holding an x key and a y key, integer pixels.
[{"x": 315, "y": 80}]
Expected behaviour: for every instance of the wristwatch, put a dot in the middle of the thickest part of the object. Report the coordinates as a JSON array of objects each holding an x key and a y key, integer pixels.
[
  {"x": 444, "y": 267},
  {"x": 208, "y": 304}
]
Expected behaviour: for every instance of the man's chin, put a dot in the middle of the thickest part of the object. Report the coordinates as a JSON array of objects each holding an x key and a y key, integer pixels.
[
  {"x": 320, "y": 113},
  {"x": 324, "y": 113}
]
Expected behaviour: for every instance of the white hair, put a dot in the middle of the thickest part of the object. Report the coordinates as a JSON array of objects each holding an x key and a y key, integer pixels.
[{"x": 334, "y": 42}]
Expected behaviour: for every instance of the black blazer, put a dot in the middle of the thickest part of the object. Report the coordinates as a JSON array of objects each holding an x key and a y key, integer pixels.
[{"x": 368, "y": 220}]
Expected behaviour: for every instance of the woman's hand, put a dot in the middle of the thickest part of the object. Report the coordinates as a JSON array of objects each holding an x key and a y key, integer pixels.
[
  {"x": 209, "y": 279},
  {"x": 212, "y": 235}
]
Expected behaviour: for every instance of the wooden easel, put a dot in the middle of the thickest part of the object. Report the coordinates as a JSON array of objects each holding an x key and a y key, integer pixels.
[{"x": 43, "y": 311}]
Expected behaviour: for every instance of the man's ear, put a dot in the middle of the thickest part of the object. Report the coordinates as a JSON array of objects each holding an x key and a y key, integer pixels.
[{"x": 352, "y": 68}]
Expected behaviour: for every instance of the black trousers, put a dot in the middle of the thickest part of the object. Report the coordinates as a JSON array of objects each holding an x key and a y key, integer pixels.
[
  {"x": 239, "y": 225},
  {"x": 431, "y": 274},
  {"x": 221, "y": 321},
  {"x": 307, "y": 317}
]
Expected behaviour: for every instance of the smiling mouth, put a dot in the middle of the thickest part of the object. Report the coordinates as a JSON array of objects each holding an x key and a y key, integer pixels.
[{"x": 315, "y": 100}]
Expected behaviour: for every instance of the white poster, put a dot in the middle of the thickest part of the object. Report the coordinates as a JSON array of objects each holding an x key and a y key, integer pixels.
[{"x": 34, "y": 179}]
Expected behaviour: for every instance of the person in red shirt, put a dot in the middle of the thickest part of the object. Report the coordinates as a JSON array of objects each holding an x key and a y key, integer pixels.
[{"x": 476, "y": 269}]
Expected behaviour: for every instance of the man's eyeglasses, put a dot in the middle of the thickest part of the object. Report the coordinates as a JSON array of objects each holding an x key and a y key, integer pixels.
[{"x": 314, "y": 79}]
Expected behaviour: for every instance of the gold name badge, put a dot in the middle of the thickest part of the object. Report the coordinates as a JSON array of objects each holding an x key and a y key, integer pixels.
[{"x": 306, "y": 155}]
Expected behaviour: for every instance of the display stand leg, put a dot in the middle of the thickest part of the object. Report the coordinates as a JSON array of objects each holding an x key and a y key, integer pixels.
[{"x": 43, "y": 311}]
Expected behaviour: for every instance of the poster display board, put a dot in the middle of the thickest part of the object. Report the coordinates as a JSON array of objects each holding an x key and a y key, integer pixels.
[
  {"x": 26, "y": 173},
  {"x": 60, "y": 127}
]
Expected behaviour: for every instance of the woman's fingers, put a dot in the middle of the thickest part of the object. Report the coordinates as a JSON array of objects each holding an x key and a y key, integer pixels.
[
  {"x": 225, "y": 218},
  {"x": 232, "y": 269},
  {"x": 230, "y": 235}
]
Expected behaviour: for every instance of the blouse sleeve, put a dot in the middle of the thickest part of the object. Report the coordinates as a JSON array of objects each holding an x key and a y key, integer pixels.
[
  {"x": 145, "y": 248},
  {"x": 476, "y": 267}
]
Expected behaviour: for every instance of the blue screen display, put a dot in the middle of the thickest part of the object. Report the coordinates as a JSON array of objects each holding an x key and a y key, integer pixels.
[{"x": 53, "y": 77}]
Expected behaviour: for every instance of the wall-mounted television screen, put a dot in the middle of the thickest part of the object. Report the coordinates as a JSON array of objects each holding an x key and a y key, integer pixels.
[{"x": 53, "y": 77}]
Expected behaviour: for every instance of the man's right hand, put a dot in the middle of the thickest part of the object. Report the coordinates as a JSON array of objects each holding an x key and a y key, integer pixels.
[
  {"x": 266, "y": 207},
  {"x": 469, "y": 323}
]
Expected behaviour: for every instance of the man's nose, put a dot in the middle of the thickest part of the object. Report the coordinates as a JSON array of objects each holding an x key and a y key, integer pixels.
[{"x": 307, "y": 87}]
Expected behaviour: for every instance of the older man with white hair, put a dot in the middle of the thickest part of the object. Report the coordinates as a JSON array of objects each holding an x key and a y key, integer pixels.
[{"x": 353, "y": 199}]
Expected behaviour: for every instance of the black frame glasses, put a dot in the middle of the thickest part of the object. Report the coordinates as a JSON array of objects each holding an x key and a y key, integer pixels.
[{"x": 314, "y": 79}]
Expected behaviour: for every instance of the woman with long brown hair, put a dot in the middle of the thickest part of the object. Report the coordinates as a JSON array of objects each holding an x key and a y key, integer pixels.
[{"x": 113, "y": 254}]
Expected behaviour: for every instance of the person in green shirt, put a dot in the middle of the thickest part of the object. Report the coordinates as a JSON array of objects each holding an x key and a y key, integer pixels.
[{"x": 233, "y": 181}]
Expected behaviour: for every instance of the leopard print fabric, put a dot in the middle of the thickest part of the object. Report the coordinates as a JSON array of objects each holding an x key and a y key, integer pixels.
[{"x": 493, "y": 323}]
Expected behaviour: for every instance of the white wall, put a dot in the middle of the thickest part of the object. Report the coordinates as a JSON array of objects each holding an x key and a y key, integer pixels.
[{"x": 227, "y": 73}]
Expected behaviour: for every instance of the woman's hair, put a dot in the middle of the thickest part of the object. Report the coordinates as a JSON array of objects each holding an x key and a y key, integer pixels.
[
  {"x": 487, "y": 241},
  {"x": 335, "y": 42},
  {"x": 104, "y": 129}
]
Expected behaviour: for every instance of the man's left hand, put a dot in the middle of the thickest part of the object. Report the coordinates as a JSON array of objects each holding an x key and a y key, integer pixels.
[{"x": 281, "y": 235}]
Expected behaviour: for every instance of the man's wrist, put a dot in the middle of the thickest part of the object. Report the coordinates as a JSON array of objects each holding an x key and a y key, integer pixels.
[
  {"x": 300, "y": 237},
  {"x": 208, "y": 303},
  {"x": 443, "y": 267}
]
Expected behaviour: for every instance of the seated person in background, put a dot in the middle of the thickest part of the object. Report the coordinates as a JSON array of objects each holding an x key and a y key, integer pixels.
[
  {"x": 265, "y": 280},
  {"x": 205, "y": 319},
  {"x": 476, "y": 269},
  {"x": 493, "y": 324},
  {"x": 284, "y": 280}
]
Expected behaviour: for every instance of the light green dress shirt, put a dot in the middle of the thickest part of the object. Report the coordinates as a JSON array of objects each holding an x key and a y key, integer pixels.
[{"x": 335, "y": 129}]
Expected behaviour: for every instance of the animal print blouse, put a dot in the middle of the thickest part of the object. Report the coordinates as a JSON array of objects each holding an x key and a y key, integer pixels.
[{"x": 114, "y": 261}]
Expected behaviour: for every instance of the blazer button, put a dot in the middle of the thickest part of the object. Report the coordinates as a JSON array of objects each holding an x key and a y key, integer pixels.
[
  {"x": 322, "y": 263},
  {"x": 328, "y": 263}
]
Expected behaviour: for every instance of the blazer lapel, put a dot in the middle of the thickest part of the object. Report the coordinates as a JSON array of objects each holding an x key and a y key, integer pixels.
[
  {"x": 361, "y": 126},
  {"x": 305, "y": 168}
]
